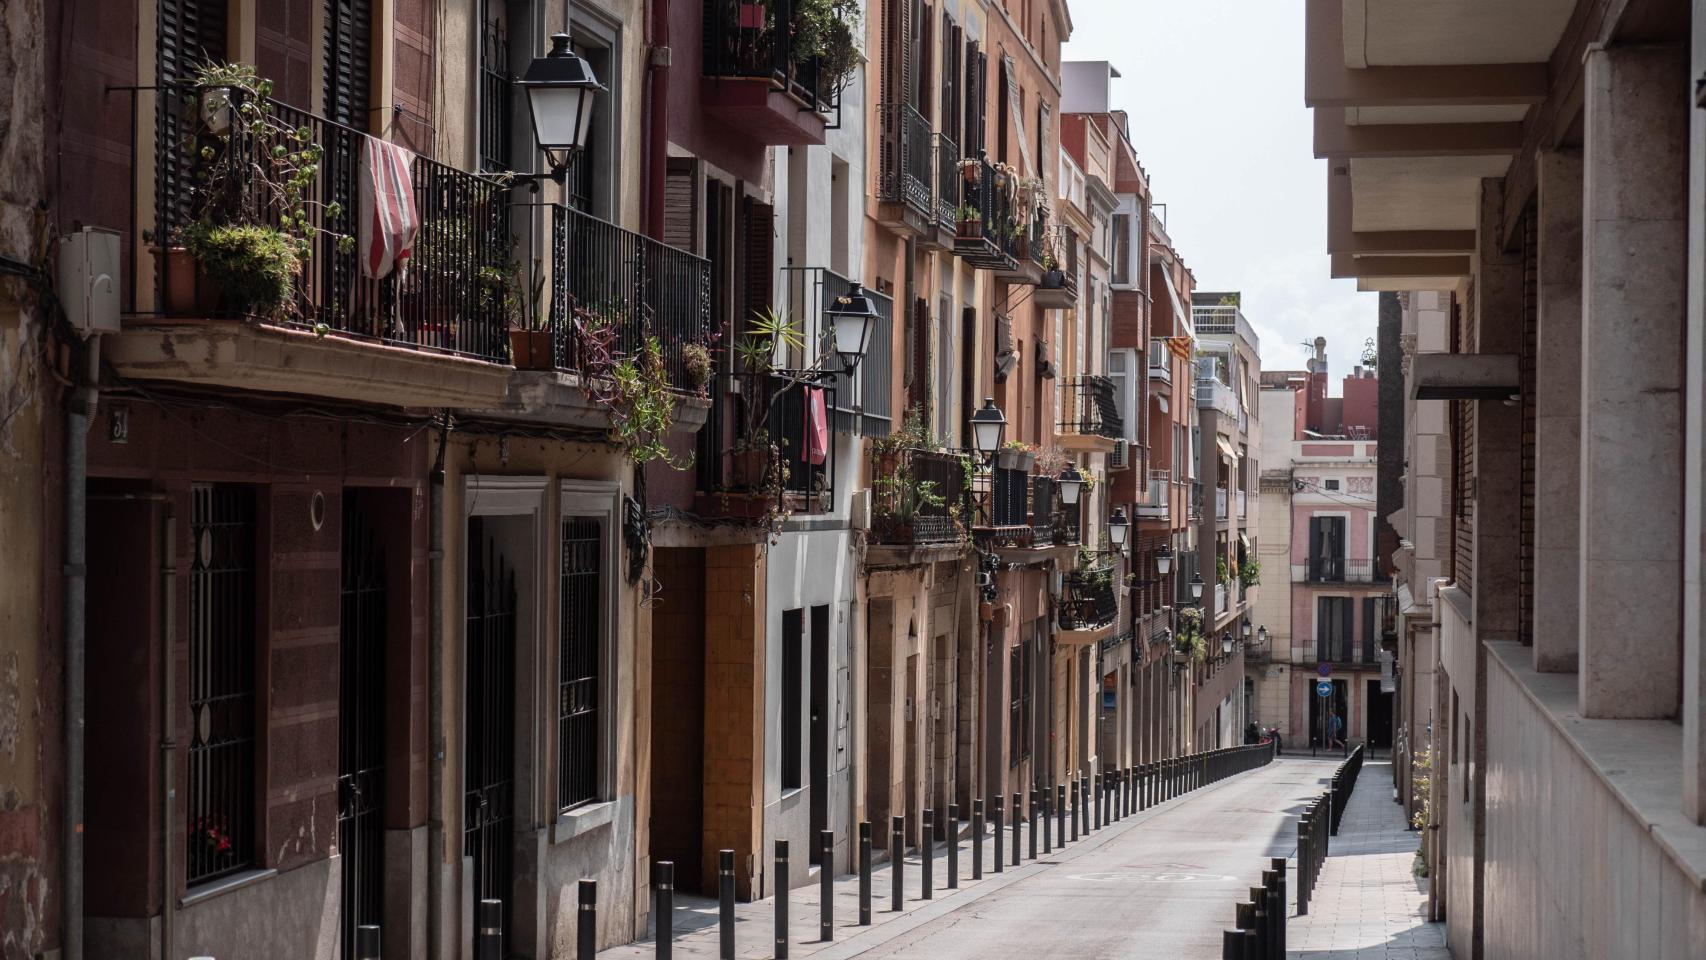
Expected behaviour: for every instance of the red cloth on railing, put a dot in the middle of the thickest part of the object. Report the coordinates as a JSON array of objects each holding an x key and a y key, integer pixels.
[
  {"x": 815, "y": 449},
  {"x": 387, "y": 222}
]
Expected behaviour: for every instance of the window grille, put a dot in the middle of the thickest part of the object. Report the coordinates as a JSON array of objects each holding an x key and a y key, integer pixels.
[{"x": 578, "y": 666}]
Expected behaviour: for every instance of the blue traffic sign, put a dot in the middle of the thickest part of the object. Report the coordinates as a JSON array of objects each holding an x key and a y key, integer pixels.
[
  {"x": 1325, "y": 669},
  {"x": 1324, "y": 689}
]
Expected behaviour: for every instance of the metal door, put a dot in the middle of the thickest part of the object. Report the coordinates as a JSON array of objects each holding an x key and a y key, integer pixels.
[
  {"x": 361, "y": 723},
  {"x": 489, "y": 702}
]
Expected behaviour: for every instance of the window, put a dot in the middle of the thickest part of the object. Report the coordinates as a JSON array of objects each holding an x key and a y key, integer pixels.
[
  {"x": 1016, "y": 704},
  {"x": 220, "y": 806},
  {"x": 496, "y": 84},
  {"x": 581, "y": 635},
  {"x": 1332, "y": 484},
  {"x": 1327, "y": 548},
  {"x": 793, "y": 640},
  {"x": 1333, "y": 629},
  {"x": 1122, "y": 248}
]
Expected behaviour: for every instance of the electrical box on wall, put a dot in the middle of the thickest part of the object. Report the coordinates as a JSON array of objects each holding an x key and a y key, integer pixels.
[{"x": 89, "y": 280}]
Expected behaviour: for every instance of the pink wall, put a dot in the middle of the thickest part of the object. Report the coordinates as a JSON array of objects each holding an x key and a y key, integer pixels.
[
  {"x": 1361, "y": 404},
  {"x": 1328, "y": 450}
]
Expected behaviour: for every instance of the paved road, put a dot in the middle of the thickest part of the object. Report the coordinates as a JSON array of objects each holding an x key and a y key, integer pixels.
[
  {"x": 1158, "y": 885},
  {"x": 1162, "y": 887}
]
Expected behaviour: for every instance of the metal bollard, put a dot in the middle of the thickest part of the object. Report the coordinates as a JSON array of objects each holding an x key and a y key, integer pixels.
[
  {"x": 999, "y": 826},
  {"x": 1246, "y": 913},
  {"x": 1018, "y": 822},
  {"x": 663, "y": 910},
  {"x": 864, "y": 873},
  {"x": 977, "y": 839},
  {"x": 826, "y": 885},
  {"x": 1077, "y": 804},
  {"x": 726, "y": 904},
  {"x": 897, "y": 864},
  {"x": 1060, "y": 815},
  {"x": 1259, "y": 896},
  {"x": 953, "y": 846},
  {"x": 1232, "y": 945},
  {"x": 367, "y": 942},
  {"x": 1034, "y": 810},
  {"x": 1303, "y": 855},
  {"x": 489, "y": 931},
  {"x": 927, "y": 851},
  {"x": 782, "y": 889},
  {"x": 1047, "y": 795},
  {"x": 1275, "y": 909},
  {"x": 1284, "y": 907},
  {"x": 586, "y": 922}
]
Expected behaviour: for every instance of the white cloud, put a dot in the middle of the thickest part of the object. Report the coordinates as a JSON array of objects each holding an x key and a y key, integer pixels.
[{"x": 1215, "y": 93}]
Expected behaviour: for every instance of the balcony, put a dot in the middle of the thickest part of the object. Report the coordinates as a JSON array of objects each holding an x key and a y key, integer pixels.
[
  {"x": 1213, "y": 391},
  {"x": 1338, "y": 570},
  {"x": 1027, "y": 239},
  {"x": 612, "y": 289},
  {"x": 906, "y": 169},
  {"x": 1220, "y": 503},
  {"x": 803, "y": 486},
  {"x": 1004, "y": 514},
  {"x": 864, "y": 408},
  {"x": 985, "y": 235},
  {"x": 1243, "y": 504},
  {"x": 1160, "y": 361},
  {"x": 1155, "y": 498},
  {"x": 1196, "y": 499},
  {"x": 1089, "y": 606},
  {"x": 947, "y": 154},
  {"x": 1091, "y": 421},
  {"x": 755, "y": 78},
  {"x": 915, "y": 494},
  {"x": 433, "y": 336},
  {"x": 1058, "y": 288}
]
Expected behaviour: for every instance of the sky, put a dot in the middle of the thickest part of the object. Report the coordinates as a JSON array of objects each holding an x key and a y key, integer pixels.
[{"x": 1215, "y": 93}]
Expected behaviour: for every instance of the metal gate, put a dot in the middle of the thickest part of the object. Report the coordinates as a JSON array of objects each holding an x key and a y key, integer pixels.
[
  {"x": 361, "y": 724},
  {"x": 488, "y": 804}
]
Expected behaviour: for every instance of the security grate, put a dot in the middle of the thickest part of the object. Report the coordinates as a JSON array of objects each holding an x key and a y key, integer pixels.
[
  {"x": 577, "y": 694},
  {"x": 362, "y": 626},
  {"x": 221, "y": 804},
  {"x": 489, "y": 704}
]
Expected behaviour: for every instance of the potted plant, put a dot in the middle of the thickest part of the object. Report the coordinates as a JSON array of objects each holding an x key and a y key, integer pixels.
[
  {"x": 755, "y": 352},
  {"x": 970, "y": 222},
  {"x": 826, "y": 30},
  {"x": 970, "y": 169},
  {"x": 252, "y": 267},
  {"x": 696, "y": 365},
  {"x": 1016, "y": 455},
  {"x": 184, "y": 289},
  {"x": 1250, "y": 572}
]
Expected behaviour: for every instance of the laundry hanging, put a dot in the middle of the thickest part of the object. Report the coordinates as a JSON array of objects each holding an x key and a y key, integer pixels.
[
  {"x": 815, "y": 449},
  {"x": 387, "y": 220}
]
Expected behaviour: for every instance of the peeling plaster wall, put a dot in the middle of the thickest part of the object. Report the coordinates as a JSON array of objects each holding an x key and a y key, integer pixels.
[{"x": 29, "y": 672}]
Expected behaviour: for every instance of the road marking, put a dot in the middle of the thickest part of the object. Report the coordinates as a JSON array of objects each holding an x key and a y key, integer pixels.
[{"x": 1155, "y": 877}]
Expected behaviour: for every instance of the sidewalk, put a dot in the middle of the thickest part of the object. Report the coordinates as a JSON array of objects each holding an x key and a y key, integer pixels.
[{"x": 1367, "y": 902}]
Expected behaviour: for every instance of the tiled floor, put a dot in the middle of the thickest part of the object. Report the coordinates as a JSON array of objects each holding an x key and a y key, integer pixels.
[{"x": 1367, "y": 902}]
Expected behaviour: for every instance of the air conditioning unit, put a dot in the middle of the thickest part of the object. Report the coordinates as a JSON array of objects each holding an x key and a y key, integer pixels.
[
  {"x": 859, "y": 510},
  {"x": 1119, "y": 459},
  {"x": 89, "y": 273}
]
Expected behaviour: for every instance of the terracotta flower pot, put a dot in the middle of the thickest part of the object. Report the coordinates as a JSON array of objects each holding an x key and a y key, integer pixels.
[
  {"x": 183, "y": 289},
  {"x": 971, "y": 229},
  {"x": 531, "y": 349}
]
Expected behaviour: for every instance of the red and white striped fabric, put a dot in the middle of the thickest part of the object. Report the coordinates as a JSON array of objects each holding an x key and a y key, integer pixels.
[
  {"x": 815, "y": 449},
  {"x": 387, "y": 221}
]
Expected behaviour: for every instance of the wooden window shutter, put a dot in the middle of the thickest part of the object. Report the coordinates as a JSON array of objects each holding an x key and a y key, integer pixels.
[
  {"x": 681, "y": 205},
  {"x": 284, "y": 48},
  {"x": 757, "y": 247},
  {"x": 973, "y": 136},
  {"x": 416, "y": 40},
  {"x": 349, "y": 56},
  {"x": 918, "y": 359}
]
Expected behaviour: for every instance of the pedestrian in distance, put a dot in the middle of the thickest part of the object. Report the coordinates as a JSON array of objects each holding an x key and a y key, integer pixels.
[{"x": 1335, "y": 731}]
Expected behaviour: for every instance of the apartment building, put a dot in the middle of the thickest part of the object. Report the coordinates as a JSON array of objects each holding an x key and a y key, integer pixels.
[
  {"x": 1337, "y": 611},
  {"x": 1566, "y": 793}
]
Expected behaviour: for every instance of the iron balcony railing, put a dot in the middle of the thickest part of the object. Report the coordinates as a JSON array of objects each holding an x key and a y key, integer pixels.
[
  {"x": 1044, "y": 512},
  {"x": 903, "y": 485},
  {"x": 1088, "y": 600},
  {"x": 1196, "y": 499},
  {"x": 1155, "y": 498},
  {"x": 1069, "y": 523},
  {"x": 947, "y": 182},
  {"x": 1001, "y": 515},
  {"x": 985, "y": 234},
  {"x": 1329, "y": 569},
  {"x": 756, "y": 40},
  {"x": 866, "y": 407},
  {"x": 905, "y": 158},
  {"x": 458, "y": 292},
  {"x": 1093, "y": 408},
  {"x": 612, "y": 288},
  {"x": 791, "y": 431}
]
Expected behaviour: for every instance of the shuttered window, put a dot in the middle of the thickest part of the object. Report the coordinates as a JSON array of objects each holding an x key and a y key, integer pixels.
[
  {"x": 187, "y": 33},
  {"x": 349, "y": 59},
  {"x": 977, "y": 67},
  {"x": 681, "y": 205}
]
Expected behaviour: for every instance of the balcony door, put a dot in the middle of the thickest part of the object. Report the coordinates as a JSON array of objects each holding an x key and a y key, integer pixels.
[
  {"x": 1327, "y": 548},
  {"x": 1334, "y": 629}
]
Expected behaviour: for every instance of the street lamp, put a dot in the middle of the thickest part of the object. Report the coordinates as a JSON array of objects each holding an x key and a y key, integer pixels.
[
  {"x": 1164, "y": 561},
  {"x": 560, "y": 88},
  {"x": 988, "y": 425},
  {"x": 851, "y": 317},
  {"x": 1262, "y": 636},
  {"x": 1246, "y": 630},
  {"x": 1226, "y": 643},
  {"x": 1118, "y": 528},
  {"x": 1071, "y": 482},
  {"x": 1196, "y": 586}
]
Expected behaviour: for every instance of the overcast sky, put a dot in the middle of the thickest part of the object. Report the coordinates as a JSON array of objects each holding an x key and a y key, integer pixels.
[{"x": 1215, "y": 93}]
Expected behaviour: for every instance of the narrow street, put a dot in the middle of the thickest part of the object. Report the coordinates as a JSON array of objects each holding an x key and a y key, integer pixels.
[{"x": 1160, "y": 883}]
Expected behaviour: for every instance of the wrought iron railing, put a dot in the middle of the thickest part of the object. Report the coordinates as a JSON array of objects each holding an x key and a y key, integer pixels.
[
  {"x": 756, "y": 40},
  {"x": 1088, "y": 600},
  {"x": 947, "y": 181},
  {"x": 612, "y": 288},
  {"x": 914, "y": 493},
  {"x": 904, "y": 158},
  {"x": 1044, "y": 509},
  {"x": 1093, "y": 408},
  {"x": 459, "y": 292},
  {"x": 989, "y": 199},
  {"x": 1009, "y": 498},
  {"x": 807, "y": 463},
  {"x": 1330, "y": 569},
  {"x": 810, "y": 291},
  {"x": 1069, "y": 523}
]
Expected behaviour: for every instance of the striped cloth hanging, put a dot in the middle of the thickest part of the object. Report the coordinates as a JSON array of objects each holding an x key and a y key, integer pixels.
[{"x": 387, "y": 220}]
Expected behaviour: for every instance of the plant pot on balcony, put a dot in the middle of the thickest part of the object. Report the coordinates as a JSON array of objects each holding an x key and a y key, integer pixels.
[
  {"x": 214, "y": 107},
  {"x": 1053, "y": 280},
  {"x": 970, "y": 229},
  {"x": 751, "y": 467},
  {"x": 1015, "y": 460},
  {"x": 531, "y": 349},
  {"x": 184, "y": 289}
]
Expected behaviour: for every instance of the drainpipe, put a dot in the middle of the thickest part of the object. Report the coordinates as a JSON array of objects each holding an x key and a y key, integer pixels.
[
  {"x": 657, "y": 105},
  {"x": 435, "y": 694},
  {"x": 74, "y": 577}
]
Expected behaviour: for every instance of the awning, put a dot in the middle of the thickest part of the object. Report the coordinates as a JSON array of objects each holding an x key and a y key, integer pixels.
[
  {"x": 1225, "y": 447},
  {"x": 1179, "y": 310}
]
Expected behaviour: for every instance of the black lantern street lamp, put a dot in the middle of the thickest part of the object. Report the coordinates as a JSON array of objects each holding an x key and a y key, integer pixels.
[
  {"x": 1262, "y": 636},
  {"x": 1071, "y": 482},
  {"x": 851, "y": 317},
  {"x": 988, "y": 425},
  {"x": 1164, "y": 561},
  {"x": 1196, "y": 586},
  {"x": 560, "y": 89},
  {"x": 1226, "y": 643},
  {"x": 1118, "y": 528}
]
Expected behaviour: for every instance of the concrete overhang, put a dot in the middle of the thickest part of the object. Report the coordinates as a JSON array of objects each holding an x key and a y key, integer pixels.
[
  {"x": 1435, "y": 271},
  {"x": 264, "y": 358},
  {"x": 1464, "y": 376},
  {"x": 556, "y": 398},
  {"x": 1338, "y": 138},
  {"x": 1344, "y": 237}
]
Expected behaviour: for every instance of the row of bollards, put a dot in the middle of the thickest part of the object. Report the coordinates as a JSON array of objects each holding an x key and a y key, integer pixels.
[
  {"x": 1259, "y": 922},
  {"x": 1312, "y": 832},
  {"x": 1057, "y": 816},
  {"x": 1344, "y": 781}
]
